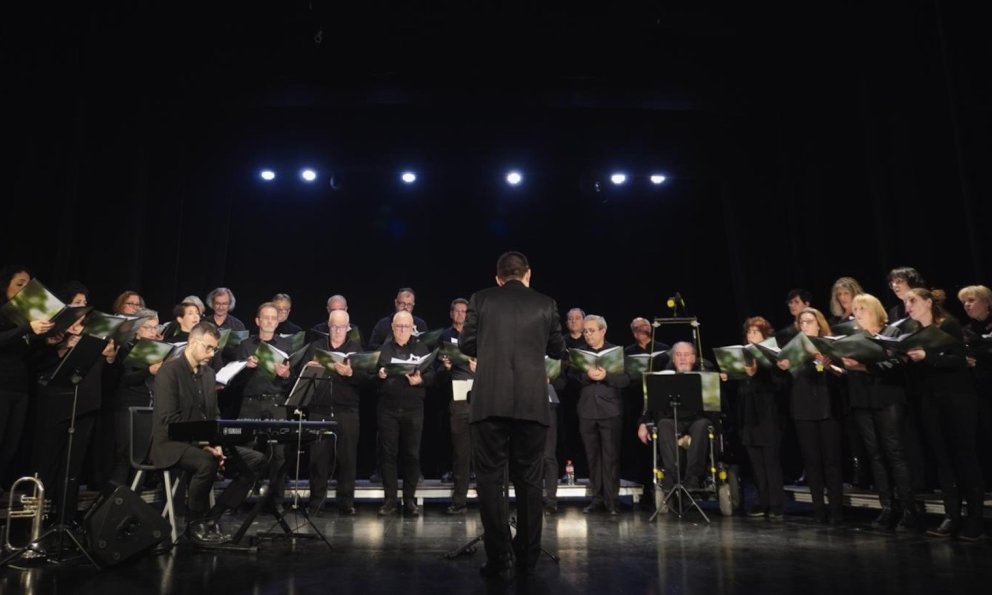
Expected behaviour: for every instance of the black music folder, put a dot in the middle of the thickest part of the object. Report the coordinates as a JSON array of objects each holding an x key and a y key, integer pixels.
[
  {"x": 77, "y": 362},
  {"x": 686, "y": 390}
]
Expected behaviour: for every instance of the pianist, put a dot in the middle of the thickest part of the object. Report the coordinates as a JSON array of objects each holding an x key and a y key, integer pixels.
[{"x": 185, "y": 390}]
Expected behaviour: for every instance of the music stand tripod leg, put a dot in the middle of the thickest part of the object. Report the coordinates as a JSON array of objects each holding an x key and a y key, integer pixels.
[{"x": 678, "y": 489}]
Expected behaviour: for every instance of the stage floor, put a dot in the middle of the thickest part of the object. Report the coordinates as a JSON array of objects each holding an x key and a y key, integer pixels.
[{"x": 599, "y": 554}]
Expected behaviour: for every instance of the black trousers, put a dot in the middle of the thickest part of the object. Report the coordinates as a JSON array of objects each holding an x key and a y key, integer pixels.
[
  {"x": 13, "y": 414},
  {"x": 335, "y": 453},
  {"x": 244, "y": 468},
  {"x": 766, "y": 464},
  {"x": 601, "y": 438},
  {"x": 399, "y": 437},
  {"x": 50, "y": 460},
  {"x": 500, "y": 444},
  {"x": 551, "y": 461},
  {"x": 950, "y": 423},
  {"x": 881, "y": 432},
  {"x": 820, "y": 443},
  {"x": 461, "y": 451},
  {"x": 696, "y": 459}
]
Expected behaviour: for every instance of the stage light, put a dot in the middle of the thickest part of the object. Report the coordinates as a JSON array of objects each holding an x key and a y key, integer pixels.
[
  {"x": 618, "y": 179},
  {"x": 513, "y": 178},
  {"x": 408, "y": 177},
  {"x": 657, "y": 179},
  {"x": 308, "y": 175},
  {"x": 267, "y": 174}
]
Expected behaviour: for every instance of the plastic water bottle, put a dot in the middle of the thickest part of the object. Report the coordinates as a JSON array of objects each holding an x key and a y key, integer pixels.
[{"x": 569, "y": 473}]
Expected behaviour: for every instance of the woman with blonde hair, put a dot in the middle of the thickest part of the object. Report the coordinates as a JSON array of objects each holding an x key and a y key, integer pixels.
[{"x": 877, "y": 393}]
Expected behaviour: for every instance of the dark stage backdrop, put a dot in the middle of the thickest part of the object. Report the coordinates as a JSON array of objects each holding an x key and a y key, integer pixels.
[{"x": 794, "y": 155}]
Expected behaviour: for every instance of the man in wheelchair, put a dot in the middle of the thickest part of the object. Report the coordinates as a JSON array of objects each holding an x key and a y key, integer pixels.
[{"x": 692, "y": 431}]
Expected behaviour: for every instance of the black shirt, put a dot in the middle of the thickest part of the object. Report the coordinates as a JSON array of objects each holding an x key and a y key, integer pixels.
[
  {"x": 333, "y": 390},
  {"x": 396, "y": 392},
  {"x": 255, "y": 382},
  {"x": 459, "y": 371},
  {"x": 287, "y": 328},
  {"x": 600, "y": 399}
]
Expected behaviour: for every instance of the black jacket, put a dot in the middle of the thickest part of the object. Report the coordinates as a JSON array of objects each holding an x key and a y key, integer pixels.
[{"x": 509, "y": 330}]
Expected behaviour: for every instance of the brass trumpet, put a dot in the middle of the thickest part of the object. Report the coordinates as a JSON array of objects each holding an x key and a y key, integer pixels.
[{"x": 32, "y": 507}]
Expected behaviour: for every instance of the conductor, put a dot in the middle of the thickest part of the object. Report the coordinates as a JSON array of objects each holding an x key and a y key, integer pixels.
[{"x": 509, "y": 329}]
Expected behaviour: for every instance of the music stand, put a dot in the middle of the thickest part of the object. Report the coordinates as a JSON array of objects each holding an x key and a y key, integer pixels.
[
  {"x": 299, "y": 398},
  {"x": 70, "y": 372},
  {"x": 666, "y": 394}
]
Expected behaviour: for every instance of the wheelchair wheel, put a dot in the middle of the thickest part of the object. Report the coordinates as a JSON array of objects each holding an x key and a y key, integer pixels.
[
  {"x": 734, "y": 482},
  {"x": 726, "y": 505}
]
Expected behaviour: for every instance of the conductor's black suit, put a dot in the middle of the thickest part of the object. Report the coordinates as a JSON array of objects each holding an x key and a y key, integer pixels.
[{"x": 510, "y": 329}]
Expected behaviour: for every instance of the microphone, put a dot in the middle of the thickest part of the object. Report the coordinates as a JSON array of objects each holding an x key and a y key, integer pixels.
[{"x": 678, "y": 297}]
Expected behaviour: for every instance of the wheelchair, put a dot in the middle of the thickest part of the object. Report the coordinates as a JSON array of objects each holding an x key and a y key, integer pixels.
[{"x": 721, "y": 481}]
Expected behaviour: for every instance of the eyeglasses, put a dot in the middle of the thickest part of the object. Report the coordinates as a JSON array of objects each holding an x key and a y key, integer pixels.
[
  {"x": 135, "y": 304},
  {"x": 339, "y": 328},
  {"x": 589, "y": 331},
  {"x": 807, "y": 321},
  {"x": 209, "y": 348},
  {"x": 403, "y": 327}
]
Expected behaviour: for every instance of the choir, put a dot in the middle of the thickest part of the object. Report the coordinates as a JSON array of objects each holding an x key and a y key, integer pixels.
[{"x": 906, "y": 420}]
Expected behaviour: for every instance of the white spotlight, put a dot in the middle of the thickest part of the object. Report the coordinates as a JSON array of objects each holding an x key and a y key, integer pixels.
[
  {"x": 657, "y": 179},
  {"x": 308, "y": 175},
  {"x": 513, "y": 178},
  {"x": 618, "y": 178},
  {"x": 409, "y": 177},
  {"x": 267, "y": 174}
]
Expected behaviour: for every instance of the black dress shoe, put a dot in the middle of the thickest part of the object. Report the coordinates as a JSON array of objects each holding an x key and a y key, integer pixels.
[
  {"x": 820, "y": 516},
  {"x": 502, "y": 568},
  {"x": 594, "y": 507},
  {"x": 909, "y": 522},
  {"x": 206, "y": 533},
  {"x": 550, "y": 509},
  {"x": 411, "y": 509},
  {"x": 885, "y": 520},
  {"x": 455, "y": 509},
  {"x": 775, "y": 515},
  {"x": 946, "y": 528},
  {"x": 612, "y": 510},
  {"x": 972, "y": 531},
  {"x": 756, "y": 511},
  {"x": 347, "y": 511},
  {"x": 388, "y": 508}
]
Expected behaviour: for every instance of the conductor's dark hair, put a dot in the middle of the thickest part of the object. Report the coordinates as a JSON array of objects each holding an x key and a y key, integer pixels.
[
  {"x": 912, "y": 276},
  {"x": 512, "y": 265},
  {"x": 204, "y": 328},
  {"x": 804, "y": 295}
]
